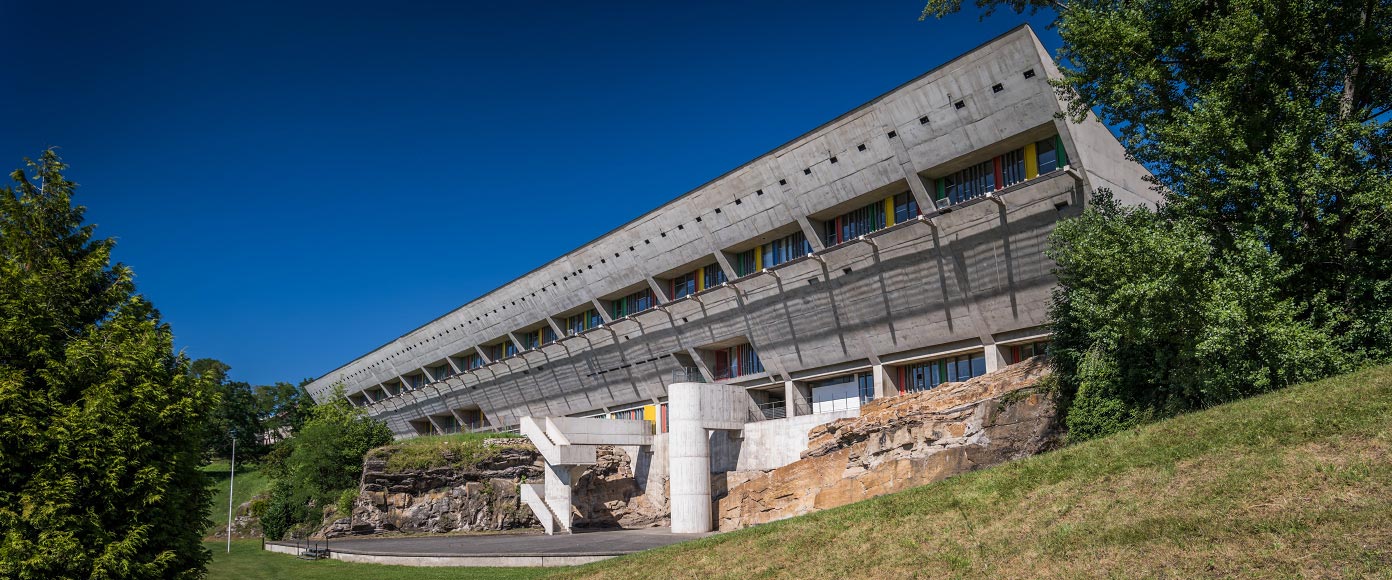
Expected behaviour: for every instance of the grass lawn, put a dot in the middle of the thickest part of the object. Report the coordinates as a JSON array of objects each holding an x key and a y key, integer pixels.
[
  {"x": 1295, "y": 483},
  {"x": 456, "y": 450},
  {"x": 249, "y": 482},
  {"x": 249, "y": 562}
]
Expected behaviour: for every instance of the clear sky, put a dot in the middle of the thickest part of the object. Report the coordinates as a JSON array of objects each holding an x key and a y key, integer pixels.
[{"x": 296, "y": 184}]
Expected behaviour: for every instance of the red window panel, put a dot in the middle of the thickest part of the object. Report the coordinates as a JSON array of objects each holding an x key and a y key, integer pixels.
[{"x": 1000, "y": 174}]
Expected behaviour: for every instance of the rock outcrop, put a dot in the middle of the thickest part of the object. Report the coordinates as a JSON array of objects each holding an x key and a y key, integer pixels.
[
  {"x": 901, "y": 442},
  {"x": 486, "y": 496},
  {"x": 479, "y": 497},
  {"x": 607, "y": 494}
]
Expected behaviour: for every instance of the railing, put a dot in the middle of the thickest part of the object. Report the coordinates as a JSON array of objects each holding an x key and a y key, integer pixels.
[
  {"x": 774, "y": 409},
  {"x": 688, "y": 375}
]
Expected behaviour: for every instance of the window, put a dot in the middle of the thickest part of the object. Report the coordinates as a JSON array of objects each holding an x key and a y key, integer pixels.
[
  {"x": 684, "y": 285},
  {"x": 927, "y": 375},
  {"x": 509, "y": 349},
  {"x": 866, "y": 385},
  {"x": 1013, "y": 166},
  {"x": 714, "y": 276},
  {"x": 785, "y": 249},
  {"x": 1020, "y": 352},
  {"x": 633, "y": 303},
  {"x": 416, "y": 381},
  {"x": 636, "y": 414},
  {"x": 744, "y": 263},
  {"x": 737, "y": 361},
  {"x": 537, "y": 338},
  {"x": 581, "y": 322},
  {"x": 905, "y": 207},
  {"x": 441, "y": 372},
  {"x": 856, "y": 223},
  {"x": 1047, "y": 155},
  {"x": 969, "y": 183},
  {"x": 471, "y": 361}
]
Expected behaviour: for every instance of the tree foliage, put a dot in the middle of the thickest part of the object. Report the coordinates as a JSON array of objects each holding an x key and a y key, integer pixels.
[
  {"x": 1268, "y": 126},
  {"x": 324, "y": 459},
  {"x": 101, "y": 427}
]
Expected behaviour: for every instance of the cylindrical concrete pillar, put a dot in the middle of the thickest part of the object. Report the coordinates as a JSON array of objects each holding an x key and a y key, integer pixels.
[{"x": 688, "y": 453}]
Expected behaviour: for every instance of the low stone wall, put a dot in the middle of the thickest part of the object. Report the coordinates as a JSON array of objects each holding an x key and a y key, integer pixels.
[{"x": 901, "y": 442}]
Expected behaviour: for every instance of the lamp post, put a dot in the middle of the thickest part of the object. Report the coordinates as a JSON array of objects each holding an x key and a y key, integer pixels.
[{"x": 231, "y": 484}]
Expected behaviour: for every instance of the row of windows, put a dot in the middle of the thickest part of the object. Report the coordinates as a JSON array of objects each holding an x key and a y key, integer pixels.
[
  {"x": 573, "y": 325},
  {"x": 632, "y": 304},
  {"x": 779, "y": 251},
  {"x": 926, "y": 375},
  {"x": 537, "y": 338},
  {"x": 1003, "y": 170},
  {"x": 737, "y": 361},
  {"x": 871, "y": 218}
]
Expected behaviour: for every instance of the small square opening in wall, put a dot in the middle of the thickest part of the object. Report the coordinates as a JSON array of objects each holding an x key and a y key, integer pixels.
[
  {"x": 782, "y": 182},
  {"x": 647, "y": 241},
  {"x": 758, "y": 192},
  {"x": 601, "y": 260},
  {"x": 860, "y": 147},
  {"x": 630, "y": 248},
  {"x": 833, "y": 159},
  {"x": 923, "y": 120},
  {"x": 698, "y": 218},
  {"x": 959, "y": 104},
  {"x": 996, "y": 88},
  {"x": 739, "y": 201},
  {"x": 892, "y": 134},
  {"x": 681, "y": 226},
  {"x": 1029, "y": 74},
  {"x": 664, "y": 234},
  {"x": 846, "y": 271},
  {"x": 616, "y": 254},
  {"x": 807, "y": 171},
  {"x": 717, "y": 210}
]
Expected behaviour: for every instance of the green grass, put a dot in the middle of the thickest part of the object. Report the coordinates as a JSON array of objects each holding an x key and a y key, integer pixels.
[
  {"x": 1295, "y": 483},
  {"x": 250, "y": 481},
  {"x": 456, "y": 450},
  {"x": 249, "y": 562}
]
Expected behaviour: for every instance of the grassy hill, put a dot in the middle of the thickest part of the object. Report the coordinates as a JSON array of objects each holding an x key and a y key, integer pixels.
[
  {"x": 250, "y": 481},
  {"x": 1296, "y": 483}
]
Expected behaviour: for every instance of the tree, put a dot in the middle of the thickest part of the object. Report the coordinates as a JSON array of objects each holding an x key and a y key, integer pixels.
[
  {"x": 284, "y": 408},
  {"x": 1151, "y": 319},
  {"x": 324, "y": 459},
  {"x": 238, "y": 412},
  {"x": 1268, "y": 127},
  {"x": 101, "y": 426}
]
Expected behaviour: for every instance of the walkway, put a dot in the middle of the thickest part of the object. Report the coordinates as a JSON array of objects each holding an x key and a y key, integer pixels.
[{"x": 581, "y": 547}]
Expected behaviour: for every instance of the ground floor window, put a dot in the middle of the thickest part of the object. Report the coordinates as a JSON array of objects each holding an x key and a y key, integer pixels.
[
  {"x": 927, "y": 375},
  {"x": 1019, "y": 352}
]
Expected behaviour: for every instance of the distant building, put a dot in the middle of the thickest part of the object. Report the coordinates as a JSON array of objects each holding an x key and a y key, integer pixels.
[{"x": 896, "y": 247}]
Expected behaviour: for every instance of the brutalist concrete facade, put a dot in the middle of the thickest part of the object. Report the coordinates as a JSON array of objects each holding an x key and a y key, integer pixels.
[{"x": 968, "y": 277}]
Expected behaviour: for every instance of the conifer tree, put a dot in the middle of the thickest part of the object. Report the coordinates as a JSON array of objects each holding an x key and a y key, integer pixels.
[{"x": 101, "y": 425}]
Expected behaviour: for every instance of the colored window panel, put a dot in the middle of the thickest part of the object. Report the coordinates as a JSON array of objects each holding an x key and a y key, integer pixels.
[
  {"x": 970, "y": 183},
  {"x": 633, "y": 303},
  {"x": 1013, "y": 166},
  {"x": 744, "y": 262},
  {"x": 714, "y": 276},
  {"x": 684, "y": 285}
]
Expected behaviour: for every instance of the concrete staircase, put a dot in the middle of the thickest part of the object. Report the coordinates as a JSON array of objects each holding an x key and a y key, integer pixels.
[{"x": 566, "y": 443}]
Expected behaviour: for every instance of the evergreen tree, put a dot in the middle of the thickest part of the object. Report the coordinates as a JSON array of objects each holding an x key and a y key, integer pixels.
[{"x": 101, "y": 426}]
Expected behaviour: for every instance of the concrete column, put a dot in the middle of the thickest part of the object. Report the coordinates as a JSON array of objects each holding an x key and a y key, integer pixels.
[
  {"x": 798, "y": 398},
  {"x": 603, "y": 312},
  {"x": 557, "y": 484},
  {"x": 995, "y": 359},
  {"x": 689, "y": 460},
  {"x": 877, "y": 372}
]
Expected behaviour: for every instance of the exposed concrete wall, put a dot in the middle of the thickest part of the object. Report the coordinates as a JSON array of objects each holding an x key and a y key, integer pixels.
[{"x": 765, "y": 445}]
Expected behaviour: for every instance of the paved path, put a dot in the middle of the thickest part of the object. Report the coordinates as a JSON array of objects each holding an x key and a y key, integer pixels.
[{"x": 581, "y": 543}]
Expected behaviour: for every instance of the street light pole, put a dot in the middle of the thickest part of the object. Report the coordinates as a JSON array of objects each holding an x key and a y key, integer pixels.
[{"x": 231, "y": 484}]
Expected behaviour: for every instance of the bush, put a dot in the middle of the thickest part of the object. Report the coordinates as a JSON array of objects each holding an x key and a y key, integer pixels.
[
  {"x": 320, "y": 465},
  {"x": 346, "y": 501},
  {"x": 1153, "y": 317}
]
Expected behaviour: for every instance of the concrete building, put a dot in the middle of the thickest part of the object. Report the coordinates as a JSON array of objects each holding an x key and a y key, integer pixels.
[{"x": 896, "y": 247}]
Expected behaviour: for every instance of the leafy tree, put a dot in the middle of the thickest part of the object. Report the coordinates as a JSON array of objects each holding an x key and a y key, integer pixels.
[
  {"x": 1268, "y": 126},
  {"x": 238, "y": 412},
  {"x": 320, "y": 463},
  {"x": 1151, "y": 319},
  {"x": 284, "y": 408},
  {"x": 101, "y": 427}
]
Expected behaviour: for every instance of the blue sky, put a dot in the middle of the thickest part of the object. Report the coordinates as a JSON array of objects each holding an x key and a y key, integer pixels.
[{"x": 295, "y": 184}]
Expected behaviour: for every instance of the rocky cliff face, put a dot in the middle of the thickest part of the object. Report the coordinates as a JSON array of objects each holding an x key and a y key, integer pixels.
[
  {"x": 444, "y": 499},
  {"x": 486, "y": 496},
  {"x": 902, "y": 442},
  {"x": 608, "y": 494}
]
